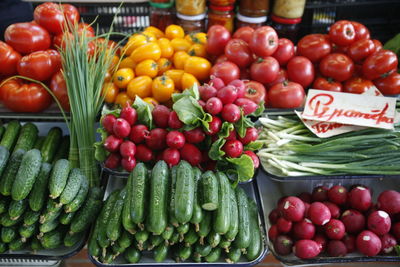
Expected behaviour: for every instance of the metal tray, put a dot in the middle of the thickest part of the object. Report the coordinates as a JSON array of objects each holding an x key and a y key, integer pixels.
[{"x": 52, "y": 113}]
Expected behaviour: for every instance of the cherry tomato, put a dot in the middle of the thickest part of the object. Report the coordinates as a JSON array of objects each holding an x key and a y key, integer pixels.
[
  {"x": 264, "y": 41},
  {"x": 327, "y": 84},
  {"x": 174, "y": 31},
  {"x": 361, "y": 49},
  {"x": 361, "y": 31},
  {"x": 357, "y": 85},
  {"x": 199, "y": 67},
  {"x": 301, "y": 70},
  {"x": 282, "y": 76},
  {"x": 337, "y": 66},
  {"x": 314, "y": 47},
  {"x": 179, "y": 59},
  {"x": 389, "y": 85},
  {"x": 342, "y": 33},
  {"x": 378, "y": 45},
  {"x": 217, "y": 38},
  {"x": 284, "y": 52},
  {"x": 244, "y": 33},
  {"x": 27, "y": 37},
  {"x": 9, "y": 59},
  {"x": 238, "y": 52},
  {"x": 59, "y": 89},
  {"x": 147, "y": 51},
  {"x": 255, "y": 91},
  {"x": 264, "y": 70},
  {"x": 227, "y": 71},
  {"x": 40, "y": 65},
  {"x": 162, "y": 88},
  {"x": 286, "y": 95},
  {"x": 147, "y": 67},
  {"x": 379, "y": 64}
]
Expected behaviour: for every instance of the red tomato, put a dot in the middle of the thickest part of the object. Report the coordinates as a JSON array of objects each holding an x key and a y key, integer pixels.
[
  {"x": 357, "y": 85},
  {"x": 286, "y": 95},
  {"x": 361, "y": 49},
  {"x": 19, "y": 96},
  {"x": 9, "y": 59},
  {"x": 227, "y": 71},
  {"x": 379, "y": 64},
  {"x": 245, "y": 74},
  {"x": 264, "y": 70},
  {"x": 27, "y": 37},
  {"x": 282, "y": 76},
  {"x": 39, "y": 65},
  {"x": 255, "y": 91},
  {"x": 337, "y": 66},
  {"x": 86, "y": 28},
  {"x": 314, "y": 46},
  {"x": 284, "y": 52},
  {"x": 389, "y": 85},
  {"x": 264, "y": 41},
  {"x": 51, "y": 16},
  {"x": 378, "y": 45},
  {"x": 244, "y": 33},
  {"x": 238, "y": 52},
  {"x": 322, "y": 83},
  {"x": 342, "y": 33},
  {"x": 59, "y": 89},
  {"x": 301, "y": 70},
  {"x": 362, "y": 32},
  {"x": 217, "y": 38}
]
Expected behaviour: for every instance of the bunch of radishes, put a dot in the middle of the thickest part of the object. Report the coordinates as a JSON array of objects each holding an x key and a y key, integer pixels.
[{"x": 336, "y": 221}]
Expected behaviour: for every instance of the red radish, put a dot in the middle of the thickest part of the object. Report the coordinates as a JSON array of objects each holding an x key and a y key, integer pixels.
[
  {"x": 232, "y": 135},
  {"x": 319, "y": 213},
  {"x": 233, "y": 148},
  {"x": 389, "y": 201},
  {"x": 306, "y": 209},
  {"x": 321, "y": 241},
  {"x": 191, "y": 154},
  {"x": 129, "y": 114},
  {"x": 333, "y": 208},
  {"x": 171, "y": 156},
  {"x": 113, "y": 161},
  {"x": 160, "y": 115},
  {"x": 247, "y": 105},
  {"x": 284, "y": 226},
  {"x": 128, "y": 163},
  {"x": 156, "y": 139},
  {"x": 108, "y": 123},
  {"x": 175, "y": 139},
  {"x": 338, "y": 195},
  {"x": 143, "y": 153},
  {"x": 273, "y": 232},
  {"x": 307, "y": 249},
  {"x": 217, "y": 83},
  {"x": 227, "y": 95},
  {"x": 214, "y": 105},
  {"x": 173, "y": 121},
  {"x": 112, "y": 143},
  {"x": 305, "y": 197},
  {"x": 230, "y": 113},
  {"x": 379, "y": 222},
  {"x": 214, "y": 126},
  {"x": 207, "y": 91},
  {"x": 202, "y": 104},
  {"x": 388, "y": 243},
  {"x": 396, "y": 230},
  {"x": 353, "y": 221},
  {"x": 254, "y": 157},
  {"x": 283, "y": 245},
  {"x": 194, "y": 136},
  {"x": 304, "y": 229},
  {"x": 360, "y": 198},
  {"x": 127, "y": 149},
  {"x": 368, "y": 243},
  {"x": 350, "y": 243},
  {"x": 121, "y": 128},
  {"x": 336, "y": 248},
  {"x": 138, "y": 133},
  {"x": 273, "y": 216},
  {"x": 239, "y": 86},
  {"x": 251, "y": 135},
  {"x": 320, "y": 193},
  {"x": 292, "y": 209},
  {"x": 335, "y": 229}
]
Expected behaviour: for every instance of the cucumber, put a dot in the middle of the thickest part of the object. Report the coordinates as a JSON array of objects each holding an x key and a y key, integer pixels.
[
  {"x": 48, "y": 226},
  {"x": 157, "y": 221},
  {"x": 39, "y": 193},
  {"x": 174, "y": 238},
  {"x": 35, "y": 244},
  {"x": 196, "y": 258},
  {"x": 39, "y": 142},
  {"x": 63, "y": 149},
  {"x": 132, "y": 255},
  {"x": 3, "y": 247},
  {"x": 202, "y": 250},
  {"x": 138, "y": 189},
  {"x": 197, "y": 210},
  {"x": 117, "y": 249},
  {"x": 52, "y": 206},
  {"x": 17, "y": 244},
  {"x": 4, "y": 156},
  {"x": 6, "y": 221},
  {"x": 31, "y": 217},
  {"x": 183, "y": 253},
  {"x": 254, "y": 249},
  {"x": 209, "y": 191},
  {"x": 72, "y": 239},
  {"x": 51, "y": 144},
  {"x": 58, "y": 177},
  {"x": 10, "y": 135},
  {"x": 17, "y": 208},
  {"x": 127, "y": 222},
  {"x": 191, "y": 237},
  {"x": 26, "y": 175},
  {"x": 171, "y": 204},
  {"x": 48, "y": 216},
  {"x": 184, "y": 192},
  {"x": 3, "y": 205},
  {"x": 107, "y": 258},
  {"x": 242, "y": 239},
  {"x": 155, "y": 240},
  {"x": 8, "y": 234},
  {"x": 234, "y": 255},
  {"x": 214, "y": 255},
  {"x": 125, "y": 240},
  {"x": 114, "y": 226},
  {"x": 93, "y": 246},
  {"x": 205, "y": 226},
  {"x": 161, "y": 252},
  {"x": 10, "y": 172},
  {"x": 167, "y": 234},
  {"x": 27, "y": 137},
  {"x": 73, "y": 185},
  {"x": 234, "y": 223},
  {"x": 183, "y": 228},
  {"x": 26, "y": 231},
  {"x": 213, "y": 239},
  {"x": 225, "y": 244},
  {"x": 53, "y": 239},
  {"x": 66, "y": 218},
  {"x": 141, "y": 237},
  {"x": 79, "y": 199},
  {"x": 104, "y": 217},
  {"x": 222, "y": 216}
]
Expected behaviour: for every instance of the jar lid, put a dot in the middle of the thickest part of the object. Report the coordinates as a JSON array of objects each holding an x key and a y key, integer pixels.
[
  {"x": 251, "y": 19},
  {"x": 284, "y": 20},
  {"x": 191, "y": 18},
  {"x": 162, "y": 5},
  {"x": 222, "y": 8}
]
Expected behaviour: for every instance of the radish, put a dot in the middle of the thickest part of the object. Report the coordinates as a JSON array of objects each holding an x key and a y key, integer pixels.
[
  {"x": 360, "y": 198},
  {"x": 284, "y": 226},
  {"x": 207, "y": 91},
  {"x": 254, "y": 157},
  {"x": 247, "y": 105},
  {"x": 191, "y": 154},
  {"x": 113, "y": 161},
  {"x": 143, "y": 153},
  {"x": 320, "y": 193},
  {"x": 396, "y": 230},
  {"x": 127, "y": 149},
  {"x": 121, "y": 128},
  {"x": 333, "y": 208},
  {"x": 112, "y": 143},
  {"x": 336, "y": 248},
  {"x": 160, "y": 115},
  {"x": 274, "y": 216},
  {"x": 304, "y": 229},
  {"x": 231, "y": 113},
  {"x": 157, "y": 139},
  {"x": 171, "y": 156},
  {"x": 175, "y": 139},
  {"x": 194, "y": 136},
  {"x": 233, "y": 148},
  {"x": 350, "y": 243},
  {"x": 108, "y": 123},
  {"x": 379, "y": 222},
  {"x": 338, "y": 195},
  {"x": 306, "y": 249},
  {"x": 129, "y": 114},
  {"x": 335, "y": 229},
  {"x": 368, "y": 243},
  {"x": 321, "y": 241},
  {"x": 173, "y": 121},
  {"x": 239, "y": 86},
  {"x": 232, "y": 135},
  {"x": 273, "y": 232},
  {"x": 217, "y": 83},
  {"x": 138, "y": 133},
  {"x": 227, "y": 95},
  {"x": 306, "y": 209},
  {"x": 214, "y": 105},
  {"x": 128, "y": 163},
  {"x": 389, "y": 201},
  {"x": 305, "y": 197},
  {"x": 353, "y": 221},
  {"x": 319, "y": 213},
  {"x": 388, "y": 243},
  {"x": 214, "y": 126},
  {"x": 283, "y": 245},
  {"x": 292, "y": 209},
  {"x": 251, "y": 135}
]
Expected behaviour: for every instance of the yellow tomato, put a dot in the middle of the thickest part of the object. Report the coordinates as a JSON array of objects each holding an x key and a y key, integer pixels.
[
  {"x": 110, "y": 92},
  {"x": 167, "y": 50},
  {"x": 162, "y": 88},
  {"x": 176, "y": 76},
  {"x": 114, "y": 62},
  {"x": 134, "y": 42},
  {"x": 151, "y": 37},
  {"x": 188, "y": 37},
  {"x": 174, "y": 31},
  {"x": 123, "y": 99},
  {"x": 200, "y": 38},
  {"x": 180, "y": 58},
  {"x": 123, "y": 76},
  {"x": 163, "y": 65},
  {"x": 147, "y": 67},
  {"x": 180, "y": 44},
  {"x": 140, "y": 86},
  {"x": 146, "y": 51},
  {"x": 188, "y": 80},
  {"x": 108, "y": 77},
  {"x": 151, "y": 101},
  {"x": 127, "y": 63},
  {"x": 199, "y": 67},
  {"x": 198, "y": 50},
  {"x": 156, "y": 31}
]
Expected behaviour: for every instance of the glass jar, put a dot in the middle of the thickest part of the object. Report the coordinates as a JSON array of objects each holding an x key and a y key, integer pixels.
[
  {"x": 222, "y": 2},
  {"x": 221, "y": 15},
  {"x": 192, "y": 23},
  {"x": 289, "y": 9},
  {"x": 286, "y": 28},
  {"x": 161, "y": 15},
  {"x": 191, "y": 7},
  {"x": 253, "y": 22},
  {"x": 254, "y": 8}
]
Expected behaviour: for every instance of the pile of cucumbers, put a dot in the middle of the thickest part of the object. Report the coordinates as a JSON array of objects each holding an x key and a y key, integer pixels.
[
  {"x": 179, "y": 213},
  {"x": 44, "y": 203}
]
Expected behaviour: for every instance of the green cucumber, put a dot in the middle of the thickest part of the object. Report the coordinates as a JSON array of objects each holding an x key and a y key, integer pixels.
[
  {"x": 3, "y": 205},
  {"x": 72, "y": 239},
  {"x": 242, "y": 239},
  {"x": 205, "y": 226},
  {"x": 141, "y": 236},
  {"x": 10, "y": 172},
  {"x": 3, "y": 247},
  {"x": 52, "y": 206},
  {"x": 79, "y": 199},
  {"x": 161, "y": 252},
  {"x": 127, "y": 222},
  {"x": 31, "y": 217},
  {"x": 51, "y": 144},
  {"x": 168, "y": 232},
  {"x": 27, "y": 137},
  {"x": 8, "y": 234},
  {"x": 117, "y": 249},
  {"x": 125, "y": 240},
  {"x": 214, "y": 255},
  {"x": 114, "y": 226},
  {"x": 59, "y": 177},
  {"x": 174, "y": 238},
  {"x": 209, "y": 191},
  {"x": 26, "y": 175},
  {"x": 213, "y": 239},
  {"x": 155, "y": 240},
  {"x": 202, "y": 250},
  {"x": 104, "y": 217},
  {"x": 93, "y": 245},
  {"x": 254, "y": 249},
  {"x": 191, "y": 237},
  {"x": 4, "y": 156},
  {"x": 48, "y": 216},
  {"x": 234, "y": 255},
  {"x": 222, "y": 216},
  {"x": 234, "y": 224},
  {"x": 157, "y": 220},
  {"x": 225, "y": 244},
  {"x": 10, "y": 135},
  {"x": 48, "y": 226},
  {"x": 35, "y": 244},
  {"x": 66, "y": 218},
  {"x": 17, "y": 244},
  {"x": 73, "y": 185},
  {"x": 196, "y": 257},
  {"x": 6, "y": 220},
  {"x": 63, "y": 149},
  {"x": 53, "y": 239},
  {"x": 38, "y": 195},
  {"x": 171, "y": 204},
  {"x": 197, "y": 210},
  {"x": 183, "y": 253},
  {"x": 17, "y": 208},
  {"x": 39, "y": 142},
  {"x": 26, "y": 231},
  {"x": 107, "y": 258},
  {"x": 184, "y": 192},
  {"x": 183, "y": 228},
  {"x": 132, "y": 255},
  {"x": 139, "y": 187}
]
